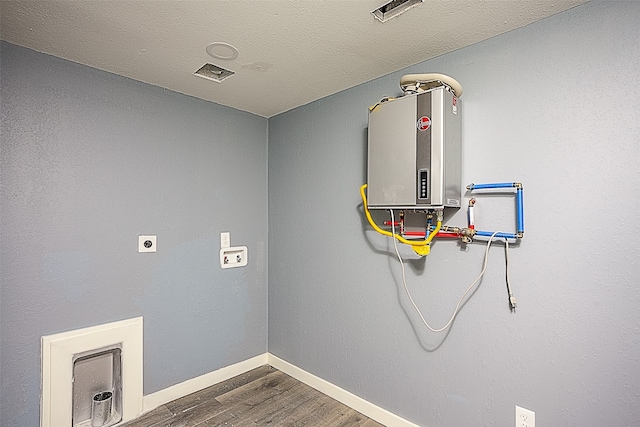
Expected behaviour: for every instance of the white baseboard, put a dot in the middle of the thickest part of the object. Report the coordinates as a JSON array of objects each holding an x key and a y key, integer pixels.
[
  {"x": 364, "y": 407},
  {"x": 177, "y": 391}
]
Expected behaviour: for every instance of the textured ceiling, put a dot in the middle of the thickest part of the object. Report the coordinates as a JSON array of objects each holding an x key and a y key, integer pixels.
[{"x": 290, "y": 52}]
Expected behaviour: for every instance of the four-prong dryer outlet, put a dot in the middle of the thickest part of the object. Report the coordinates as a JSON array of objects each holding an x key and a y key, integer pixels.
[{"x": 147, "y": 243}]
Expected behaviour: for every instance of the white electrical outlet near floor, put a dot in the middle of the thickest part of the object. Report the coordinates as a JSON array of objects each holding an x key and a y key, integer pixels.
[{"x": 525, "y": 417}]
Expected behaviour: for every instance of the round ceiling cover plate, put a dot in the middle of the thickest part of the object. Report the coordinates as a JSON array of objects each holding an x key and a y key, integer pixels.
[{"x": 221, "y": 50}]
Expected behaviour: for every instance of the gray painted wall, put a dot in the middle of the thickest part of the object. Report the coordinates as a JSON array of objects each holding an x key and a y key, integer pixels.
[
  {"x": 554, "y": 105},
  {"x": 89, "y": 161}
]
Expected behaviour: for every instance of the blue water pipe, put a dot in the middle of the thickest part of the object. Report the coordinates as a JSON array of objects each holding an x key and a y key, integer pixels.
[
  {"x": 473, "y": 186},
  {"x": 499, "y": 234},
  {"x": 519, "y": 208}
]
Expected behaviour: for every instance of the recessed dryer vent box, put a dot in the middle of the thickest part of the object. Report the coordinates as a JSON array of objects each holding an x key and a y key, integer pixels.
[{"x": 415, "y": 146}]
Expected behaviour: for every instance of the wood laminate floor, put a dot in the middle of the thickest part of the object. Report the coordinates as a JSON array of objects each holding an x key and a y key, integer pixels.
[{"x": 261, "y": 397}]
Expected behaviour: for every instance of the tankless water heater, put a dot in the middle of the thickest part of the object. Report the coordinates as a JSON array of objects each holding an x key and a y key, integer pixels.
[{"x": 414, "y": 154}]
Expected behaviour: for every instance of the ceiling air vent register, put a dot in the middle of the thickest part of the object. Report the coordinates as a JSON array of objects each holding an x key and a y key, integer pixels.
[
  {"x": 213, "y": 72},
  {"x": 394, "y": 8}
]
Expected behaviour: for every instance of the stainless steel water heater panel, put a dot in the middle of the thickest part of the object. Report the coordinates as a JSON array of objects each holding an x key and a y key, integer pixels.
[{"x": 414, "y": 157}]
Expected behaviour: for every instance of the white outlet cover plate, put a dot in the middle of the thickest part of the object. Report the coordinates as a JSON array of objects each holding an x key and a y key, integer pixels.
[
  {"x": 235, "y": 256},
  {"x": 143, "y": 246},
  {"x": 525, "y": 417}
]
